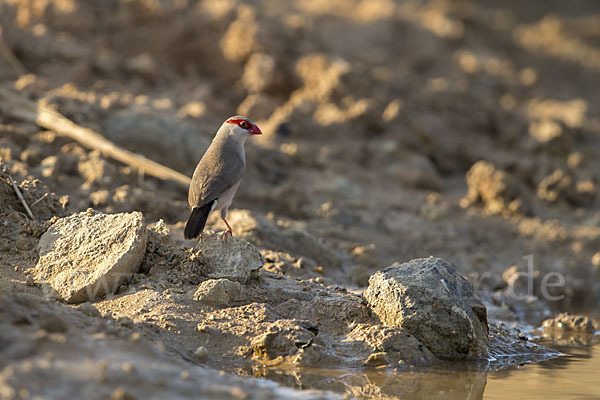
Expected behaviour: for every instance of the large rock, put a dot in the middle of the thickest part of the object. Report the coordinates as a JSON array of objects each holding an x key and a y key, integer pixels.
[
  {"x": 428, "y": 298},
  {"x": 86, "y": 255},
  {"x": 231, "y": 258}
]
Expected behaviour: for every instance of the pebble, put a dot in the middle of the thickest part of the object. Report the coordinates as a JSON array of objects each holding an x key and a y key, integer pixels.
[{"x": 201, "y": 353}]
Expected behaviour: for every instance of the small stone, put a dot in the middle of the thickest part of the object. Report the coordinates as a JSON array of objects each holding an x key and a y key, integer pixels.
[
  {"x": 377, "y": 359},
  {"x": 569, "y": 323},
  {"x": 231, "y": 258},
  {"x": 29, "y": 281},
  {"x": 499, "y": 191},
  {"x": 125, "y": 322},
  {"x": 306, "y": 263},
  {"x": 201, "y": 353},
  {"x": 219, "y": 292},
  {"x": 89, "y": 310}
]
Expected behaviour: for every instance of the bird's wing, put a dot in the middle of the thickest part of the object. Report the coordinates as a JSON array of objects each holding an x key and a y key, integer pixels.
[{"x": 219, "y": 169}]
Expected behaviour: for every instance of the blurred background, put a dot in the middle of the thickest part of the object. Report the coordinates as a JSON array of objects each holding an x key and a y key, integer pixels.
[{"x": 392, "y": 129}]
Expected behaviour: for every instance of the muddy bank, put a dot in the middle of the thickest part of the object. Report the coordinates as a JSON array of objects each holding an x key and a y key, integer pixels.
[{"x": 218, "y": 305}]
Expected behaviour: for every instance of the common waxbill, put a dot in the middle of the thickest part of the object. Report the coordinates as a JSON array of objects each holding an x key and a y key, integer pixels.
[{"x": 218, "y": 174}]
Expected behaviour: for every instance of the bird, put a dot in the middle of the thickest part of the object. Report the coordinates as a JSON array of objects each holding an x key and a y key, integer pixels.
[{"x": 218, "y": 175}]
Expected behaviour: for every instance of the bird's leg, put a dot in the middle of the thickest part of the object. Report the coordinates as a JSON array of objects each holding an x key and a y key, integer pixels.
[
  {"x": 229, "y": 231},
  {"x": 199, "y": 240}
]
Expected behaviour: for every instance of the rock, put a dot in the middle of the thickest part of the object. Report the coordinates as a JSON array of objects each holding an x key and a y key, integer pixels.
[
  {"x": 561, "y": 186},
  {"x": 87, "y": 255},
  {"x": 282, "y": 338},
  {"x": 219, "y": 292},
  {"x": 95, "y": 169},
  {"x": 394, "y": 345},
  {"x": 124, "y": 322},
  {"x": 89, "y": 310},
  {"x": 517, "y": 306},
  {"x": 201, "y": 353},
  {"x": 376, "y": 359},
  {"x": 551, "y": 136},
  {"x": 499, "y": 191},
  {"x": 100, "y": 198},
  {"x": 313, "y": 355},
  {"x": 231, "y": 259},
  {"x": 429, "y": 299},
  {"x": 565, "y": 322},
  {"x": 510, "y": 347},
  {"x": 268, "y": 234},
  {"x": 29, "y": 281}
]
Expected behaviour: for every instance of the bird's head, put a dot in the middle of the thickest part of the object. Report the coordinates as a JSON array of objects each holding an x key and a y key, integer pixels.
[{"x": 240, "y": 128}]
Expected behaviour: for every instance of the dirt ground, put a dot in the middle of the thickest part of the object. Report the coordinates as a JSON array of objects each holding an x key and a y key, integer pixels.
[{"x": 393, "y": 130}]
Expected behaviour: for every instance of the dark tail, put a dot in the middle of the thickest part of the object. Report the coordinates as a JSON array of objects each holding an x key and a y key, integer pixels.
[{"x": 197, "y": 220}]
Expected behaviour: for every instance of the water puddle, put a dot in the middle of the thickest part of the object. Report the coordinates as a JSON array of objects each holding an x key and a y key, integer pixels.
[{"x": 574, "y": 375}]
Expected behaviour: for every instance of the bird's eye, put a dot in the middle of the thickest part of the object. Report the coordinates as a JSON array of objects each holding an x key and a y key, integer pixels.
[{"x": 244, "y": 125}]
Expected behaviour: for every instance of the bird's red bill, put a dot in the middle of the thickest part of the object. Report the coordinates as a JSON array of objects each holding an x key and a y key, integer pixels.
[{"x": 255, "y": 130}]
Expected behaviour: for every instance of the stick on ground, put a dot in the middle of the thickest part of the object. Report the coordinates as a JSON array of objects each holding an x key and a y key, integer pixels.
[
  {"x": 17, "y": 191},
  {"x": 37, "y": 112}
]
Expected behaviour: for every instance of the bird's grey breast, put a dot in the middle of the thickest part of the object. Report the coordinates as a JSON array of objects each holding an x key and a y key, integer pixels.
[{"x": 222, "y": 166}]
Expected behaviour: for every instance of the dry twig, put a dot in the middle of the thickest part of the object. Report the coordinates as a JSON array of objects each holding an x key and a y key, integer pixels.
[
  {"x": 17, "y": 191},
  {"x": 18, "y": 107},
  {"x": 38, "y": 200}
]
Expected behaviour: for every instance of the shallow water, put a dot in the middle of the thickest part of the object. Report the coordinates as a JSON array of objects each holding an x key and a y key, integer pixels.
[{"x": 575, "y": 375}]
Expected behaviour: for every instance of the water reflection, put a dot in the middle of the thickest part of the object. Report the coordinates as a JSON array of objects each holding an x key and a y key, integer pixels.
[
  {"x": 377, "y": 383},
  {"x": 573, "y": 376}
]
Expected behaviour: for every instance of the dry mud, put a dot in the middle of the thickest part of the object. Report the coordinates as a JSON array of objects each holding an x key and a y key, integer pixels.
[{"x": 393, "y": 130}]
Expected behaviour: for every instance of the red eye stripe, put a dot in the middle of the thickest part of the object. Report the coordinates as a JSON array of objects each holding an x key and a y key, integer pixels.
[{"x": 238, "y": 121}]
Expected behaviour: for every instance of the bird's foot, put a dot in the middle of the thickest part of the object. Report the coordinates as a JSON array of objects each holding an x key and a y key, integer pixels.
[
  {"x": 224, "y": 237},
  {"x": 199, "y": 241}
]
